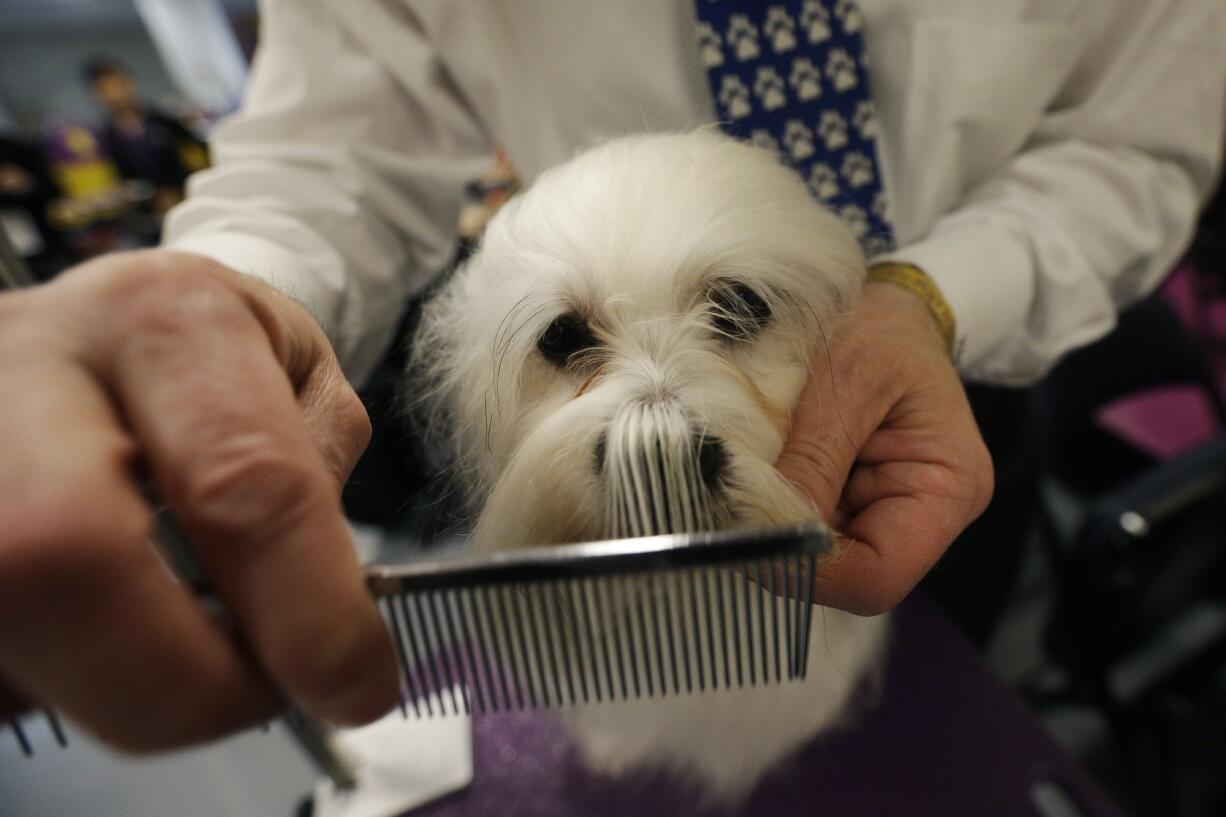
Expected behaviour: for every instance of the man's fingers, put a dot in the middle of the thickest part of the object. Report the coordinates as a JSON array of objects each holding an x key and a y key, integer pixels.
[
  {"x": 203, "y": 387},
  {"x": 898, "y": 515},
  {"x": 882, "y": 554},
  {"x": 335, "y": 418},
  {"x": 91, "y": 621},
  {"x": 885, "y": 401}
]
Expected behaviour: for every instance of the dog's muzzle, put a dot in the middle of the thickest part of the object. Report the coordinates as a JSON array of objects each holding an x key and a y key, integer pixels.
[{"x": 660, "y": 473}]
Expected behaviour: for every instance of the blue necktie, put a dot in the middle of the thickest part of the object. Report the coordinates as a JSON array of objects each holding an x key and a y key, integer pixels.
[{"x": 790, "y": 76}]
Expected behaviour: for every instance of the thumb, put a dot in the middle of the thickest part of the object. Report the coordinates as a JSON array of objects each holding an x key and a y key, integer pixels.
[{"x": 824, "y": 441}]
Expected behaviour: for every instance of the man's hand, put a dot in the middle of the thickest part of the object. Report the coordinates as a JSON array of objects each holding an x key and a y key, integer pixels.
[
  {"x": 884, "y": 442},
  {"x": 228, "y": 396}
]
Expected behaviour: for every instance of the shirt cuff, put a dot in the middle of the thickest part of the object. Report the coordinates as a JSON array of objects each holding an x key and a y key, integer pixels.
[
  {"x": 989, "y": 287},
  {"x": 315, "y": 281},
  {"x": 268, "y": 262}
]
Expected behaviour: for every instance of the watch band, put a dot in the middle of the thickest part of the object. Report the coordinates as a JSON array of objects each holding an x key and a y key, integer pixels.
[{"x": 916, "y": 281}]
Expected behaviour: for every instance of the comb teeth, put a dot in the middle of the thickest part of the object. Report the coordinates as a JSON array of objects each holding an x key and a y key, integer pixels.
[
  {"x": 23, "y": 738},
  {"x": 570, "y": 640},
  {"x": 588, "y": 623}
]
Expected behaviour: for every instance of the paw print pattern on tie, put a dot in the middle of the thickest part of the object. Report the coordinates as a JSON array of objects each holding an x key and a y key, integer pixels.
[
  {"x": 766, "y": 140},
  {"x": 841, "y": 70},
  {"x": 780, "y": 29},
  {"x": 833, "y": 129},
  {"x": 881, "y": 205},
  {"x": 710, "y": 47},
  {"x": 857, "y": 169},
  {"x": 768, "y": 87},
  {"x": 805, "y": 79},
  {"x": 876, "y": 244},
  {"x": 853, "y": 216},
  {"x": 743, "y": 37},
  {"x": 849, "y": 16},
  {"x": 734, "y": 97},
  {"x": 824, "y": 182},
  {"x": 815, "y": 20},
  {"x": 791, "y": 77},
  {"x": 865, "y": 119},
  {"x": 798, "y": 138}
]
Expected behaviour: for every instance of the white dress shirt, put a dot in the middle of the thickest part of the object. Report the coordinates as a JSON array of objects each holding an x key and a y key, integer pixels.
[{"x": 1045, "y": 159}]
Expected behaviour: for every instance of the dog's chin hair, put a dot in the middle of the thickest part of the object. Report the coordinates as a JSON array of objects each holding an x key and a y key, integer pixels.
[
  {"x": 702, "y": 272},
  {"x": 727, "y": 742}
]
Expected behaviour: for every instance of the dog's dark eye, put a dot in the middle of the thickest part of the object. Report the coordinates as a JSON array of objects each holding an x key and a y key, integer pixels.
[
  {"x": 567, "y": 335},
  {"x": 738, "y": 311}
]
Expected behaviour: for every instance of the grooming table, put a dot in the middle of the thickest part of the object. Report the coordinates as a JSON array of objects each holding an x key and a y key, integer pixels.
[{"x": 947, "y": 738}]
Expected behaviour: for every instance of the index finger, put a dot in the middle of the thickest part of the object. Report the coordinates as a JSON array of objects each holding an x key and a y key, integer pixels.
[
  {"x": 216, "y": 416},
  {"x": 884, "y": 551},
  {"x": 920, "y": 480}
]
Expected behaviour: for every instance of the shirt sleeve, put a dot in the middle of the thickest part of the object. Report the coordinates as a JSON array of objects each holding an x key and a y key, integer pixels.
[
  {"x": 1093, "y": 211},
  {"x": 339, "y": 180}
]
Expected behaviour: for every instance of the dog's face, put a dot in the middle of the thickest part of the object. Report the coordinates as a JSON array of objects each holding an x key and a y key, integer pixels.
[{"x": 622, "y": 354}]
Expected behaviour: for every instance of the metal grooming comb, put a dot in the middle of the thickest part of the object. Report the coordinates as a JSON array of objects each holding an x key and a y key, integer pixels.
[{"x": 602, "y": 621}]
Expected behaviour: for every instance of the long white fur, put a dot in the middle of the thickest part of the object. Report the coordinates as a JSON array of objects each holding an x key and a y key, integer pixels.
[{"x": 632, "y": 235}]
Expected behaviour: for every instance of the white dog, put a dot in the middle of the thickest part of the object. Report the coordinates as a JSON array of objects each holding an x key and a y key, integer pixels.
[{"x": 621, "y": 357}]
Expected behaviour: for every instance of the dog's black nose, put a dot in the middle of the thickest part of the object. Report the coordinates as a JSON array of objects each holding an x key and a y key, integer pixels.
[{"x": 712, "y": 459}]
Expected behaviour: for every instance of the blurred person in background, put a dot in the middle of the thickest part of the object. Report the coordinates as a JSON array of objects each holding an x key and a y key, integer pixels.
[
  {"x": 27, "y": 190},
  {"x": 146, "y": 144}
]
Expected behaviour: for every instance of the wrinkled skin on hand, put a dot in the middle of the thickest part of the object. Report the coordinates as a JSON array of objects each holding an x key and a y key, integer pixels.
[
  {"x": 884, "y": 442},
  {"x": 228, "y": 396}
]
